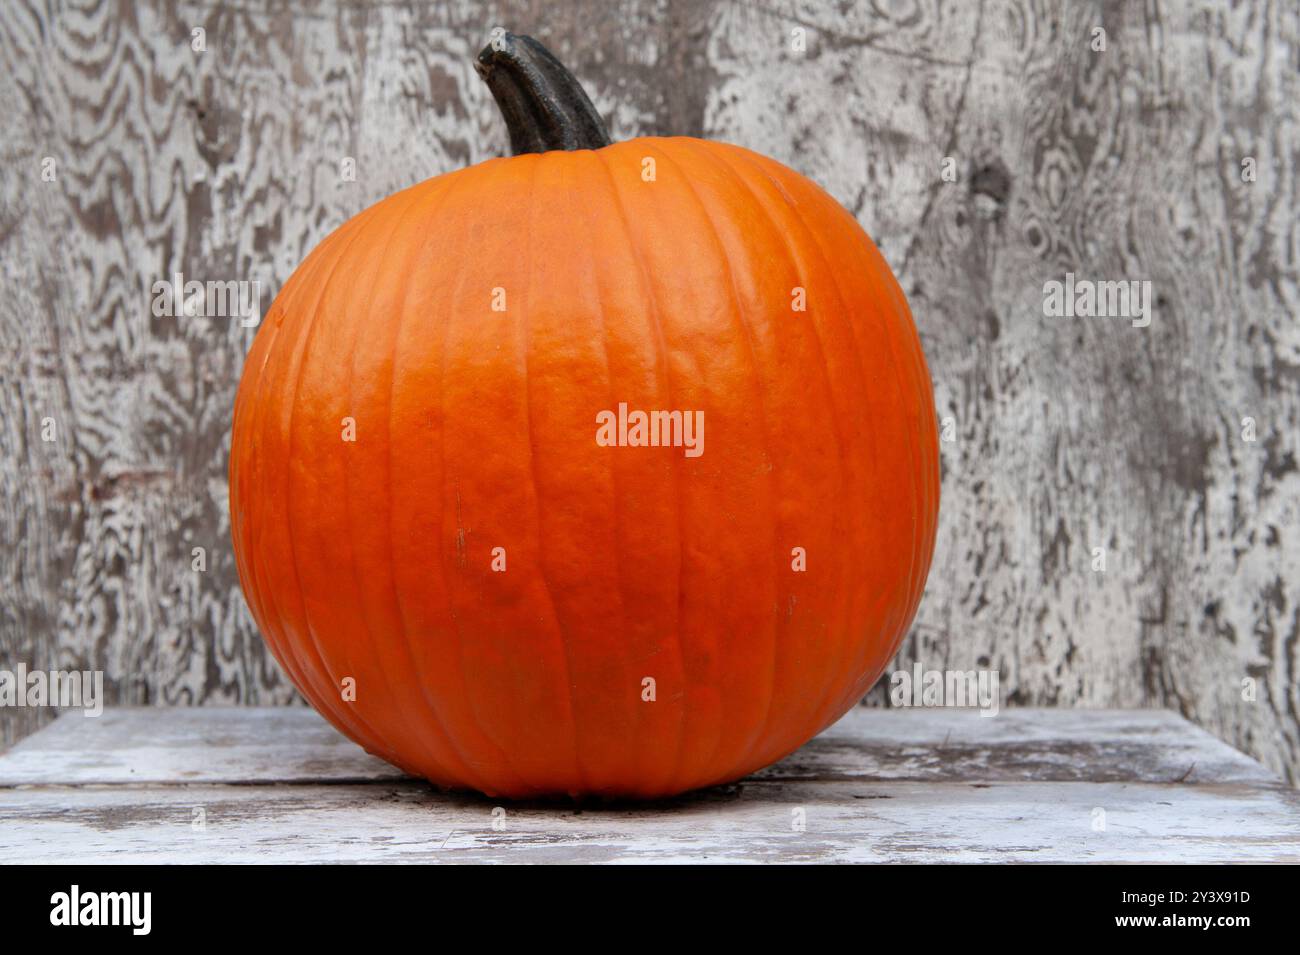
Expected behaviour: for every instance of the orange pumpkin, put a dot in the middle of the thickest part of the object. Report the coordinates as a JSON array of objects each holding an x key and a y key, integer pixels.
[{"x": 469, "y": 538}]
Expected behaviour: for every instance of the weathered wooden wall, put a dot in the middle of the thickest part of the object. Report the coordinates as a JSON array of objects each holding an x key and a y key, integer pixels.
[{"x": 1068, "y": 434}]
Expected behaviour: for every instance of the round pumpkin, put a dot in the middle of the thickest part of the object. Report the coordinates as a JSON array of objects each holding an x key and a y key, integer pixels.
[{"x": 594, "y": 470}]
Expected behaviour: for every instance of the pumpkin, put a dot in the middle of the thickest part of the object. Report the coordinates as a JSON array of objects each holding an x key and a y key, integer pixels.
[{"x": 600, "y": 469}]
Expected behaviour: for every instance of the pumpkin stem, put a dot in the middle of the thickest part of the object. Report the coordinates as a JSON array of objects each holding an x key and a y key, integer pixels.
[{"x": 543, "y": 103}]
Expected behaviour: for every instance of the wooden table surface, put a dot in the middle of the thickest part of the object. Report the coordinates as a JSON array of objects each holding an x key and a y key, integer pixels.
[{"x": 926, "y": 785}]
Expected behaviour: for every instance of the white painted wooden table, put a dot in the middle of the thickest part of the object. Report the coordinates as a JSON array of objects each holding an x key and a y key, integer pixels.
[{"x": 280, "y": 785}]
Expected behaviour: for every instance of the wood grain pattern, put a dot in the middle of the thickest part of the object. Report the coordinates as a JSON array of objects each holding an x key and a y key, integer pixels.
[
  {"x": 1068, "y": 434},
  {"x": 1039, "y": 785},
  {"x": 846, "y": 822},
  {"x": 264, "y": 745}
]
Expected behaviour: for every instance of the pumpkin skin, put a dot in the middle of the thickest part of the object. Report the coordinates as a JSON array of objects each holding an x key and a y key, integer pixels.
[{"x": 372, "y": 559}]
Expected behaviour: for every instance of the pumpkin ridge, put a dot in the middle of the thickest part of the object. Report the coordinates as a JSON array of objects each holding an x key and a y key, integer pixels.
[
  {"x": 919, "y": 378},
  {"x": 597, "y": 234},
  {"x": 456, "y": 725},
  {"x": 666, "y": 373},
  {"x": 298, "y": 362},
  {"x": 526, "y": 328},
  {"x": 282, "y": 647},
  {"x": 311, "y": 673},
  {"x": 343, "y": 650},
  {"x": 476, "y": 722},
  {"x": 432, "y": 203},
  {"x": 901, "y": 619},
  {"x": 270, "y": 618},
  {"x": 861, "y": 655},
  {"x": 849, "y": 639},
  {"x": 930, "y": 476},
  {"x": 238, "y": 478},
  {"x": 797, "y": 638},
  {"x": 345, "y": 461},
  {"x": 928, "y": 486},
  {"x": 905, "y": 610},
  {"x": 855, "y": 648},
  {"x": 620, "y": 564},
  {"x": 721, "y": 159},
  {"x": 746, "y": 754},
  {"x": 252, "y": 573},
  {"x": 743, "y": 323}
]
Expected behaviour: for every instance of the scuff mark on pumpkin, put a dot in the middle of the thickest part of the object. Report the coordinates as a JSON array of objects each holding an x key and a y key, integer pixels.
[{"x": 462, "y": 554}]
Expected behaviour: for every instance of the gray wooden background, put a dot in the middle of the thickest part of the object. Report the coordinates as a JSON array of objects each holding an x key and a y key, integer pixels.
[{"x": 1170, "y": 156}]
